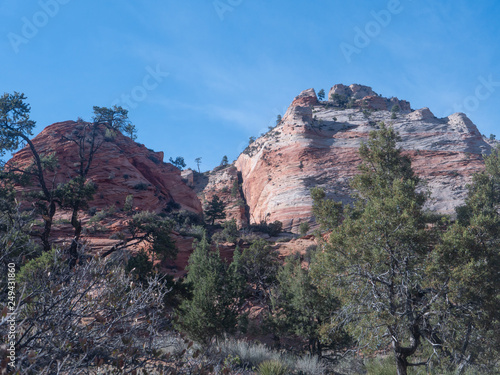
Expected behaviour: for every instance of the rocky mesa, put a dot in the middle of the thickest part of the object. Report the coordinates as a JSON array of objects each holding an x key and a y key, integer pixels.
[{"x": 317, "y": 142}]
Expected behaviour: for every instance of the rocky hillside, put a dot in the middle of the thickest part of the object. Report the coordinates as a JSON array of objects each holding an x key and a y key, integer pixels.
[
  {"x": 317, "y": 144},
  {"x": 121, "y": 167}
]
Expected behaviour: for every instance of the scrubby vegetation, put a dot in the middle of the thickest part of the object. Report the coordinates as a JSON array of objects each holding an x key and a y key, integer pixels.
[
  {"x": 422, "y": 291},
  {"x": 387, "y": 289}
]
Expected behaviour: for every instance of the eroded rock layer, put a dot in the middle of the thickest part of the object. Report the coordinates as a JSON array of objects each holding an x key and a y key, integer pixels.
[
  {"x": 222, "y": 181},
  {"x": 121, "y": 167},
  {"x": 317, "y": 144}
]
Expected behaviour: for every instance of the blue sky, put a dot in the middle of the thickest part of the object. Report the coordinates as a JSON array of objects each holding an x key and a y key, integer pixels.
[{"x": 202, "y": 76}]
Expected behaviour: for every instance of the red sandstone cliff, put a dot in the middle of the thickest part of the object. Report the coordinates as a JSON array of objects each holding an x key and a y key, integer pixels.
[
  {"x": 317, "y": 144},
  {"x": 121, "y": 167}
]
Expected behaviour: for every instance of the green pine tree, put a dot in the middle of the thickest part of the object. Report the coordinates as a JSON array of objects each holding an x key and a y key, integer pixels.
[
  {"x": 16, "y": 128},
  {"x": 299, "y": 308},
  {"x": 178, "y": 162},
  {"x": 468, "y": 259},
  {"x": 321, "y": 94},
  {"x": 375, "y": 260},
  {"x": 213, "y": 309},
  {"x": 215, "y": 210},
  {"x": 260, "y": 264}
]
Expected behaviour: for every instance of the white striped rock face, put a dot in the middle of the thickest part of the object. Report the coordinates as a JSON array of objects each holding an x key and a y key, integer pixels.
[{"x": 317, "y": 145}]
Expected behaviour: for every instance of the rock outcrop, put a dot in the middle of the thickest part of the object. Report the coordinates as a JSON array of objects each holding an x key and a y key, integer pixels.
[
  {"x": 364, "y": 96},
  {"x": 223, "y": 181},
  {"x": 121, "y": 167},
  {"x": 317, "y": 144}
]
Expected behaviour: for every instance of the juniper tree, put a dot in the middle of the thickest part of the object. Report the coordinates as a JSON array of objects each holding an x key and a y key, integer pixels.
[
  {"x": 88, "y": 139},
  {"x": 278, "y": 120},
  {"x": 299, "y": 309},
  {"x": 394, "y": 111},
  {"x": 213, "y": 309},
  {"x": 16, "y": 128},
  {"x": 375, "y": 261},
  {"x": 259, "y": 266},
  {"x": 79, "y": 190},
  {"x": 229, "y": 233},
  {"x": 304, "y": 228},
  {"x": 327, "y": 211},
  {"x": 178, "y": 162},
  {"x": 469, "y": 260},
  {"x": 198, "y": 162},
  {"x": 115, "y": 118},
  {"x": 339, "y": 100},
  {"x": 321, "y": 94},
  {"x": 215, "y": 210}
]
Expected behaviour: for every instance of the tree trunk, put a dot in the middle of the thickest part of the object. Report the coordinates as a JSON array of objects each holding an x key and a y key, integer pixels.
[
  {"x": 403, "y": 353},
  {"x": 46, "y": 192},
  {"x": 76, "y": 223},
  {"x": 311, "y": 346},
  {"x": 401, "y": 364},
  {"x": 277, "y": 341},
  {"x": 48, "y": 226},
  {"x": 319, "y": 349},
  {"x": 73, "y": 250}
]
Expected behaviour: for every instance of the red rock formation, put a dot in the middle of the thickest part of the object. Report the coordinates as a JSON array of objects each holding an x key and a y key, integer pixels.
[
  {"x": 355, "y": 91},
  {"x": 374, "y": 102},
  {"x": 317, "y": 145},
  {"x": 314, "y": 145},
  {"x": 364, "y": 96},
  {"x": 305, "y": 98},
  {"x": 223, "y": 182},
  {"x": 121, "y": 167}
]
